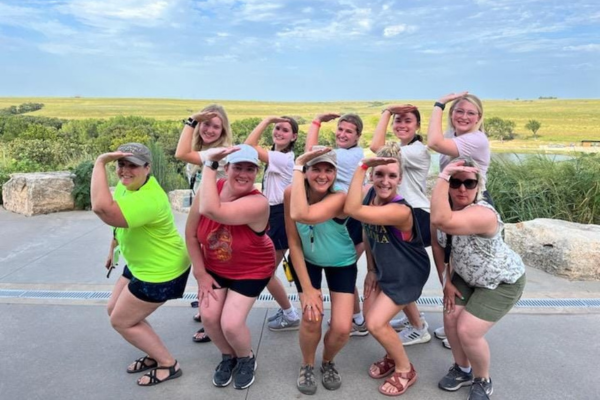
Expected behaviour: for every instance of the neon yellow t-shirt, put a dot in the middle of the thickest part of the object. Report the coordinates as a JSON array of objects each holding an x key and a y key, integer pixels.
[{"x": 154, "y": 250}]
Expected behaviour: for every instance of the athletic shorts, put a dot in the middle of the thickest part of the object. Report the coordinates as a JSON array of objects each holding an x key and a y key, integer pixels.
[
  {"x": 423, "y": 220},
  {"x": 339, "y": 279},
  {"x": 489, "y": 304},
  {"x": 355, "y": 230},
  {"x": 156, "y": 292},
  {"x": 277, "y": 227},
  {"x": 245, "y": 287}
]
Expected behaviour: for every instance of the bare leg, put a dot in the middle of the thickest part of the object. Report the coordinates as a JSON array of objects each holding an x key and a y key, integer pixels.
[
  {"x": 275, "y": 286},
  {"x": 128, "y": 318},
  {"x": 450, "y": 326},
  {"x": 360, "y": 249},
  {"x": 471, "y": 332},
  {"x": 341, "y": 323},
  {"x": 211, "y": 316},
  {"x": 412, "y": 313},
  {"x": 309, "y": 337},
  {"x": 233, "y": 322}
]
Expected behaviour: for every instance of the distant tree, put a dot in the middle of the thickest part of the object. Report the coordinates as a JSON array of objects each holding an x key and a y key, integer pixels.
[
  {"x": 499, "y": 128},
  {"x": 533, "y": 126}
]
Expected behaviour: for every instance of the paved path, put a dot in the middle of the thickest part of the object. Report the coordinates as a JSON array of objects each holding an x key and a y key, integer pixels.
[{"x": 66, "y": 349}]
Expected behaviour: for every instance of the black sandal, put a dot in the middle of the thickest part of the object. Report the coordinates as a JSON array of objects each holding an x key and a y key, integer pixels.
[
  {"x": 197, "y": 317},
  {"x": 204, "y": 339},
  {"x": 141, "y": 366},
  {"x": 155, "y": 381}
]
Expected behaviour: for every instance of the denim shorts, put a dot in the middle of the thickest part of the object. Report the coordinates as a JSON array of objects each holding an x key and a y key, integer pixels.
[{"x": 156, "y": 292}]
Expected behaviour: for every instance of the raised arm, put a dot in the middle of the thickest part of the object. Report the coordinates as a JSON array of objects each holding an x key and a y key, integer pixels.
[
  {"x": 248, "y": 210},
  {"x": 184, "y": 151},
  {"x": 476, "y": 220},
  {"x": 312, "y": 138},
  {"x": 397, "y": 215},
  {"x": 254, "y": 136},
  {"x": 435, "y": 135},
  {"x": 103, "y": 204}
]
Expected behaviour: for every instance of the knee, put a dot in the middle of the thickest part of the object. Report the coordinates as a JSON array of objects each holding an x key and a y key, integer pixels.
[
  {"x": 374, "y": 326},
  {"x": 310, "y": 326},
  {"x": 340, "y": 331},
  {"x": 231, "y": 328},
  {"x": 109, "y": 309},
  {"x": 466, "y": 334},
  {"x": 117, "y": 323},
  {"x": 450, "y": 321}
]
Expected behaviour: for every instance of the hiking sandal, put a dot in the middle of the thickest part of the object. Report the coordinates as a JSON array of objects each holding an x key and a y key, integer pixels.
[
  {"x": 386, "y": 366},
  {"x": 155, "y": 381},
  {"x": 394, "y": 380},
  {"x": 141, "y": 365}
]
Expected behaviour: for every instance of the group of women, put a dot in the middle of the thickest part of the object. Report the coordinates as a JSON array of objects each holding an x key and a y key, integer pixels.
[{"x": 318, "y": 206}]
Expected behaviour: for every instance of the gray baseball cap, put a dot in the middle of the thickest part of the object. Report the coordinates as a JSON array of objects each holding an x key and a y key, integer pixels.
[{"x": 141, "y": 154}]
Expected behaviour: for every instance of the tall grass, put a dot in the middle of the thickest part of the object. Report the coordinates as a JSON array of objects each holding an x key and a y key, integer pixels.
[
  {"x": 539, "y": 187},
  {"x": 164, "y": 171}
]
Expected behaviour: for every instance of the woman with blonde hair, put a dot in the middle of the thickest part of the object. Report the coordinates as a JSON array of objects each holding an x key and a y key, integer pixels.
[
  {"x": 203, "y": 132},
  {"x": 397, "y": 264}
]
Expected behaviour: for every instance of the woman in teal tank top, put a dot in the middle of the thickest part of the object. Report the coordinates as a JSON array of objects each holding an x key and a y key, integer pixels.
[{"x": 319, "y": 242}]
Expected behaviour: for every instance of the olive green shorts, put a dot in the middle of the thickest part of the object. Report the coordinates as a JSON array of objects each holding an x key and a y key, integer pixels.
[{"x": 488, "y": 304}]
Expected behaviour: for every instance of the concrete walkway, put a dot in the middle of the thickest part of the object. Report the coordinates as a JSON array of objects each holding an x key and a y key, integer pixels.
[{"x": 65, "y": 349}]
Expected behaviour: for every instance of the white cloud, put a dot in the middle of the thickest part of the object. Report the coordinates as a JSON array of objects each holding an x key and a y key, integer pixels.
[
  {"x": 395, "y": 30},
  {"x": 584, "y": 47}
]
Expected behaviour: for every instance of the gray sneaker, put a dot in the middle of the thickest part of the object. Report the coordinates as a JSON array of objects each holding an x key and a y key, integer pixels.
[
  {"x": 399, "y": 324},
  {"x": 412, "y": 335},
  {"x": 455, "y": 379},
  {"x": 331, "y": 378},
  {"x": 282, "y": 323},
  {"x": 306, "y": 382},
  {"x": 359, "y": 330},
  {"x": 481, "y": 389},
  {"x": 243, "y": 374},
  {"x": 224, "y": 372},
  {"x": 275, "y": 316}
]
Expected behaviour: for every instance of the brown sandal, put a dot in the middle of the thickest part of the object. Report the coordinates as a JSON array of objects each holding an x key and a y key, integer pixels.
[
  {"x": 386, "y": 366},
  {"x": 394, "y": 380}
]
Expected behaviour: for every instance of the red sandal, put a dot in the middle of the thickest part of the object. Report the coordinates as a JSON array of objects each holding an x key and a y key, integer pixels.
[
  {"x": 394, "y": 380},
  {"x": 386, "y": 366}
]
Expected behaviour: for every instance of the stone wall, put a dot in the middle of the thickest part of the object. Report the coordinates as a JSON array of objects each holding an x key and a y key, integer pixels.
[
  {"x": 561, "y": 248},
  {"x": 38, "y": 193}
]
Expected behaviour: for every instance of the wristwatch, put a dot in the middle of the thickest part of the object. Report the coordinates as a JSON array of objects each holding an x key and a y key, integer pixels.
[
  {"x": 191, "y": 122},
  {"x": 214, "y": 165}
]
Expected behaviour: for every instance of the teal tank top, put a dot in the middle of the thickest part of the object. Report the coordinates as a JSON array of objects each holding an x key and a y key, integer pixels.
[{"x": 327, "y": 244}]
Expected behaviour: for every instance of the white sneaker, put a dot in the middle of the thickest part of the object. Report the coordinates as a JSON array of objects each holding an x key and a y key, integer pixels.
[
  {"x": 400, "y": 324},
  {"x": 440, "y": 333},
  {"x": 412, "y": 336},
  {"x": 359, "y": 330},
  {"x": 446, "y": 344}
]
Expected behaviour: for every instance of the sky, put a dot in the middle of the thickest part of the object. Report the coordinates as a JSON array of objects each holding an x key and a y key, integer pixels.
[{"x": 314, "y": 50}]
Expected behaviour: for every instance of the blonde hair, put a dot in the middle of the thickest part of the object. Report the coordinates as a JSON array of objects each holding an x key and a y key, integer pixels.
[
  {"x": 471, "y": 98},
  {"x": 391, "y": 150},
  {"x": 226, "y": 137},
  {"x": 469, "y": 162}
]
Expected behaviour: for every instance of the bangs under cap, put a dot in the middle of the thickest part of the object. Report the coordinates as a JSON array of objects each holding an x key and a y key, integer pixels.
[
  {"x": 246, "y": 153},
  {"x": 329, "y": 157}
]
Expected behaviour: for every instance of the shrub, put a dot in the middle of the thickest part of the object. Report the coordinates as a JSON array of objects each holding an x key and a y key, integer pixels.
[
  {"x": 539, "y": 187},
  {"x": 165, "y": 172},
  {"x": 499, "y": 128},
  {"x": 82, "y": 183}
]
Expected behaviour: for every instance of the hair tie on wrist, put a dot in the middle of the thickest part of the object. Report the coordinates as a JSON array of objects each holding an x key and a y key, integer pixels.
[{"x": 317, "y": 123}]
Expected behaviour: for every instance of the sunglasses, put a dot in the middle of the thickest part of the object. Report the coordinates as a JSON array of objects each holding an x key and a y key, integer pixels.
[{"x": 469, "y": 183}]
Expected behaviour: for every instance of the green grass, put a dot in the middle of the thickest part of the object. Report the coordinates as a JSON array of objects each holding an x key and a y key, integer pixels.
[{"x": 563, "y": 121}]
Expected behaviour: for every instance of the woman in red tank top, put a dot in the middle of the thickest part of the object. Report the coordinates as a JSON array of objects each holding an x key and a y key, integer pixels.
[{"x": 232, "y": 257}]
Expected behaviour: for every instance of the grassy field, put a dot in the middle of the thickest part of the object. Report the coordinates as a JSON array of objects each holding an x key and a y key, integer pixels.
[{"x": 563, "y": 121}]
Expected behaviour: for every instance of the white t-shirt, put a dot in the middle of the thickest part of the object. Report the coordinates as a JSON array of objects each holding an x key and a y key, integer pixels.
[
  {"x": 474, "y": 145},
  {"x": 415, "y": 168},
  {"x": 193, "y": 170},
  {"x": 278, "y": 175},
  {"x": 347, "y": 161}
]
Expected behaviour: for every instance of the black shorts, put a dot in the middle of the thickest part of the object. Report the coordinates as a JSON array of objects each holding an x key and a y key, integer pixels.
[
  {"x": 423, "y": 220},
  {"x": 277, "y": 227},
  {"x": 156, "y": 292},
  {"x": 245, "y": 287},
  {"x": 355, "y": 230},
  {"x": 339, "y": 279}
]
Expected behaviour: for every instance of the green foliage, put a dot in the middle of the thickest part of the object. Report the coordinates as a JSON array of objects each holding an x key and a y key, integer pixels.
[
  {"x": 540, "y": 187},
  {"x": 165, "y": 172},
  {"x": 242, "y": 128},
  {"x": 82, "y": 183},
  {"x": 534, "y": 126},
  {"x": 499, "y": 128},
  {"x": 34, "y": 152}
]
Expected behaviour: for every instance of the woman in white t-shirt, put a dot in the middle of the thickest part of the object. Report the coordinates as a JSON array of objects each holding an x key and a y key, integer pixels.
[
  {"x": 277, "y": 176},
  {"x": 406, "y": 121},
  {"x": 202, "y": 132}
]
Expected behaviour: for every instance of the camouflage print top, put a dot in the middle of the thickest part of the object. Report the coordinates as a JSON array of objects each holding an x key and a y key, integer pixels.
[{"x": 481, "y": 261}]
